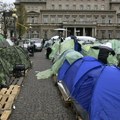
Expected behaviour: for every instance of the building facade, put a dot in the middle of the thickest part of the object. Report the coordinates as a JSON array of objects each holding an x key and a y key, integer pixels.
[{"x": 96, "y": 18}]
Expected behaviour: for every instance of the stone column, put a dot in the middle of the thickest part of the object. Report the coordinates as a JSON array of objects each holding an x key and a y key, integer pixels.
[
  {"x": 93, "y": 32},
  {"x": 74, "y": 31},
  {"x": 84, "y": 32},
  {"x": 66, "y": 32}
]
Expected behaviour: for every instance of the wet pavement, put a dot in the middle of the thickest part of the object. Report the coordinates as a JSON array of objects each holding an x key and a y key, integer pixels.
[{"x": 40, "y": 99}]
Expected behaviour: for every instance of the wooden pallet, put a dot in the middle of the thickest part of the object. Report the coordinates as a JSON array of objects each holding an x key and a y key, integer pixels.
[
  {"x": 7, "y": 97},
  {"x": 12, "y": 90},
  {"x": 17, "y": 81},
  {"x": 6, "y": 102},
  {"x": 5, "y": 115}
]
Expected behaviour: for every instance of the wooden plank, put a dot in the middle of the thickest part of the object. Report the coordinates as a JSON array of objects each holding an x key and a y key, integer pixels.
[
  {"x": 5, "y": 115},
  {"x": 11, "y": 80},
  {"x": 3, "y": 91},
  {"x": 13, "y": 90},
  {"x": 14, "y": 82},
  {"x": 16, "y": 90},
  {"x": 20, "y": 81},
  {"x": 17, "y": 81},
  {"x": 7, "y": 102}
]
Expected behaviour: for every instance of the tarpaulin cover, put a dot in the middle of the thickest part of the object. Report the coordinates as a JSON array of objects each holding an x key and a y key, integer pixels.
[
  {"x": 9, "y": 56},
  {"x": 77, "y": 70},
  {"x": 69, "y": 55},
  {"x": 105, "y": 102},
  {"x": 58, "y": 48},
  {"x": 55, "y": 48},
  {"x": 88, "y": 51},
  {"x": 3, "y": 42},
  {"x": 4, "y": 71},
  {"x": 95, "y": 87},
  {"x": 15, "y": 55},
  {"x": 62, "y": 70}
]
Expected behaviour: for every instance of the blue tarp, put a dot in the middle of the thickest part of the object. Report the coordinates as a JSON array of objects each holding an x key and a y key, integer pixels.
[
  {"x": 83, "y": 89},
  {"x": 78, "y": 69},
  {"x": 62, "y": 70},
  {"x": 95, "y": 87},
  {"x": 105, "y": 102}
]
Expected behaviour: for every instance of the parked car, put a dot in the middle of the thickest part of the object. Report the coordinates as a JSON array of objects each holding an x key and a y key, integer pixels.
[
  {"x": 38, "y": 44},
  {"x": 36, "y": 41},
  {"x": 26, "y": 43}
]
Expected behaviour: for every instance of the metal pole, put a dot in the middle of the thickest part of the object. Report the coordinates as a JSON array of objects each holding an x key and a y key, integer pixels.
[
  {"x": 30, "y": 27},
  {"x": 5, "y": 28},
  {"x": 15, "y": 27}
]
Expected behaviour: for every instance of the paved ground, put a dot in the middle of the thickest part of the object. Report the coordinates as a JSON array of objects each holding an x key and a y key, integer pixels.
[{"x": 39, "y": 99}]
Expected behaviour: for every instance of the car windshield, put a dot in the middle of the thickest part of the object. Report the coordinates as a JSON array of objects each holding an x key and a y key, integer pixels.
[
  {"x": 35, "y": 40},
  {"x": 26, "y": 42}
]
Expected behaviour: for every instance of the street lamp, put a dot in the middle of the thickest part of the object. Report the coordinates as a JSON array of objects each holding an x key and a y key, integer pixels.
[
  {"x": 15, "y": 18},
  {"x": 30, "y": 27},
  {"x": 5, "y": 28}
]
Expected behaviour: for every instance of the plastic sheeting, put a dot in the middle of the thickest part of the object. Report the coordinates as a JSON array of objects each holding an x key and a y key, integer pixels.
[
  {"x": 105, "y": 102},
  {"x": 88, "y": 51},
  {"x": 9, "y": 56},
  {"x": 69, "y": 55},
  {"x": 58, "y": 48},
  {"x": 95, "y": 87}
]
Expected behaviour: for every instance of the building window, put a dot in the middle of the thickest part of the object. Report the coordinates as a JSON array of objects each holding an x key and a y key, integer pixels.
[
  {"x": 88, "y": 7},
  {"x": 36, "y": 20},
  {"x": 53, "y": 19},
  {"x": 60, "y": 7},
  {"x": 118, "y": 20},
  {"x": 81, "y": 19},
  {"x": 53, "y": 6},
  {"x": 35, "y": 34},
  {"x": 81, "y": 7},
  {"x": 103, "y": 19},
  {"x": 96, "y": 7},
  {"x": 45, "y": 19},
  {"x": 117, "y": 34},
  {"x": 67, "y": 17},
  {"x": 74, "y": 7},
  {"x": 88, "y": 18},
  {"x": 32, "y": 19},
  {"x": 29, "y": 19},
  {"x": 103, "y": 33},
  {"x": 35, "y": 8},
  {"x": 102, "y": 7},
  {"x": 96, "y": 18},
  {"x": 67, "y": 7},
  {"x": 60, "y": 19},
  {"x": 110, "y": 33},
  {"x": 110, "y": 19}
]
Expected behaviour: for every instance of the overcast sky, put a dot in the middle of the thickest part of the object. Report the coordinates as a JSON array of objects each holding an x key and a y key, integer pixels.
[{"x": 8, "y": 1}]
